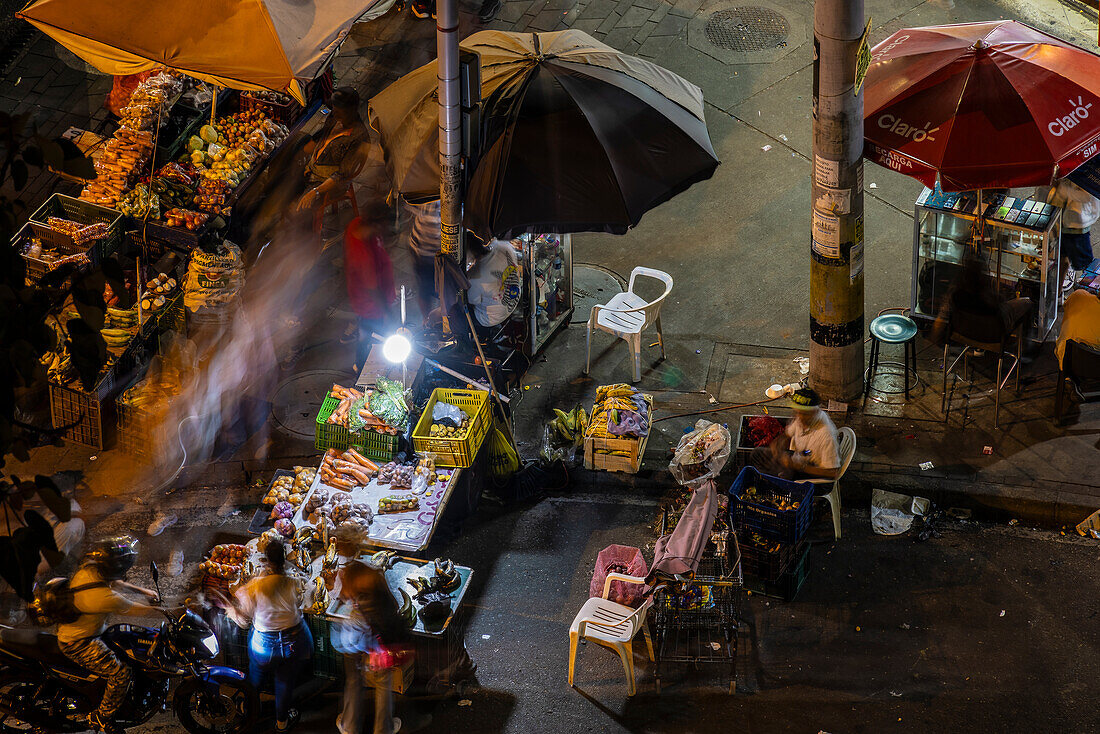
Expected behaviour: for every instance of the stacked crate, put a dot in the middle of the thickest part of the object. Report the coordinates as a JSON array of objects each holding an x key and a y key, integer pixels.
[{"x": 771, "y": 517}]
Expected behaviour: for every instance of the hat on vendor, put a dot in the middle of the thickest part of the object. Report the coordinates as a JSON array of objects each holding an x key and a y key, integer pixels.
[{"x": 805, "y": 399}]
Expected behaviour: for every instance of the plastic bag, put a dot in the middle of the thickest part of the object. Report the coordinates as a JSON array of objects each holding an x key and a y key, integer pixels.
[
  {"x": 388, "y": 402},
  {"x": 701, "y": 454},
  {"x": 619, "y": 559},
  {"x": 447, "y": 414},
  {"x": 554, "y": 448},
  {"x": 893, "y": 514}
]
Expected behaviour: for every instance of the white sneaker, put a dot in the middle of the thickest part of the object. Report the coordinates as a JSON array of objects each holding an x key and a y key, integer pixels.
[
  {"x": 1068, "y": 281},
  {"x": 162, "y": 522}
]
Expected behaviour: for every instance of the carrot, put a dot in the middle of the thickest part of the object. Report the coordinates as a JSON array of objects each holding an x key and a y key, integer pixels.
[{"x": 361, "y": 460}]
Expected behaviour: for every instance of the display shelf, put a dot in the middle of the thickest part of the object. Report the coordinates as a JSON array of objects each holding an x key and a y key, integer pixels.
[
  {"x": 1018, "y": 256},
  {"x": 548, "y": 285}
]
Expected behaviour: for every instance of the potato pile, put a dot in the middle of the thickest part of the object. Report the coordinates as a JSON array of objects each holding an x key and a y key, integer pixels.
[
  {"x": 290, "y": 489},
  {"x": 442, "y": 430}
]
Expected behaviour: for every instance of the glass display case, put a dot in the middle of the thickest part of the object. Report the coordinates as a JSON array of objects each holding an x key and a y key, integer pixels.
[
  {"x": 547, "y": 300},
  {"x": 1016, "y": 239}
]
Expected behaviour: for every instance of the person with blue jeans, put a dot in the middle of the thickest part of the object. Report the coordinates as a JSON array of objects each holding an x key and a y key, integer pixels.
[{"x": 280, "y": 642}]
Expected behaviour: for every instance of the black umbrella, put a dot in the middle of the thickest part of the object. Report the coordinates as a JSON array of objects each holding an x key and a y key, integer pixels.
[{"x": 577, "y": 136}]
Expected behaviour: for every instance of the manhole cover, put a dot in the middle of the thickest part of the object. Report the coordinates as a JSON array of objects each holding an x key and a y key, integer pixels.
[{"x": 749, "y": 28}]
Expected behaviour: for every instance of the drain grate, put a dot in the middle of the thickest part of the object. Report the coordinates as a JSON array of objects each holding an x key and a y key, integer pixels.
[{"x": 748, "y": 28}]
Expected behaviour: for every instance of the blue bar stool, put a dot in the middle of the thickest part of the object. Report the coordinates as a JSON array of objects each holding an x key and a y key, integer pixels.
[{"x": 893, "y": 328}]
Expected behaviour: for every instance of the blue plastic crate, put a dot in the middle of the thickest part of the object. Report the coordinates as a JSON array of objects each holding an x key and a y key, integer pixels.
[{"x": 786, "y": 526}]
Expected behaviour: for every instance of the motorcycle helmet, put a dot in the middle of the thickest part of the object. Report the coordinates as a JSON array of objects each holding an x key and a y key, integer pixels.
[{"x": 113, "y": 557}]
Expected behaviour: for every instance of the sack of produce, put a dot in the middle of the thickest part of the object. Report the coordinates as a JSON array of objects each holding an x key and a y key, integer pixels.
[
  {"x": 619, "y": 559},
  {"x": 213, "y": 278},
  {"x": 701, "y": 454},
  {"x": 387, "y": 401}
]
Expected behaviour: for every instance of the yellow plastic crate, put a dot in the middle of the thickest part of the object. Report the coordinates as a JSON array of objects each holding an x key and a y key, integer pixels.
[{"x": 454, "y": 452}]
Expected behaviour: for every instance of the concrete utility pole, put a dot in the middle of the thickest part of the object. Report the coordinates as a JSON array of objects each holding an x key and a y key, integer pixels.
[
  {"x": 836, "y": 252},
  {"x": 450, "y": 140}
]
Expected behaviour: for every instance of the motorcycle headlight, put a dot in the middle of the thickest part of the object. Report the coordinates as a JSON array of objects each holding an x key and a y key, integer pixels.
[{"x": 210, "y": 642}]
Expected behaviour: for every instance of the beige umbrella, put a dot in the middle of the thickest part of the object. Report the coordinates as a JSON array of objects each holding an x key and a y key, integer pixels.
[{"x": 242, "y": 44}]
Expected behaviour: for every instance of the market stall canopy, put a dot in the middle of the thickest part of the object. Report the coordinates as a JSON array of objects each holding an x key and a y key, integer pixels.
[
  {"x": 577, "y": 136},
  {"x": 981, "y": 105},
  {"x": 242, "y": 44}
]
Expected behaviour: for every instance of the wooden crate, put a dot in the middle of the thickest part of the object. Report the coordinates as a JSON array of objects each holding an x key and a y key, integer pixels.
[{"x": 609, "y": 462}]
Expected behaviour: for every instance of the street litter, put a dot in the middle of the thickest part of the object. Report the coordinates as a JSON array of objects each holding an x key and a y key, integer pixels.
[
  {"x": 1090, "y": 525},
  {"x": 925, "y": 465},
  {"x": 958, "y": 513},
  {"x": 895, "y": 694},
  {"x": 803, "y": 364},
  {"x": 874, "y": 185},
  {"x": 766, "y": 148},
  {"x": 1002, "y": 612},
  {"x": 893, "y": 514},
  {"x": 485, "y": 637},
  {"x": 1013, "y": 522},
  {"x": 715, "y": 646},
  {"x": 465, "y": 702},
  {"x": 783, "y": 138},
  {"x": 987, "y": 450},
  {"x": 711, "y": 400}
]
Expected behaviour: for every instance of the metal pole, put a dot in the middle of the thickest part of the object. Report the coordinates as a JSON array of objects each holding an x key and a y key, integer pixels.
[
  {"x": 450, "y": 138},
  {"x": 836, "y": 252}
]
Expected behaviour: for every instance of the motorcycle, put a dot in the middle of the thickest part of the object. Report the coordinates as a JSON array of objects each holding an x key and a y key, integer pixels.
[{"x": 43, "y": 691}]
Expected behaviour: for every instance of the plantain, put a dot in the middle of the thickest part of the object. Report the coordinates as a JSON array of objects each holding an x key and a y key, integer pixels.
[{"x": 408, "y": 611}]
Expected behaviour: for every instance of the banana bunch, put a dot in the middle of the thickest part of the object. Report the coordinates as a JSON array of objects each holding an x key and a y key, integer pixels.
[
  {"x": 119, "y": 318},
  {"x": 618, "y": 390},
  {"x": 116, "y": 338},
  {"x": 446, "y": 576},
  {"x": 319, "y": 598},
  {"x": 383, "y": 559},
  {"x": 330, "y": 556},
  {"x": 59, "y": 368},
  {"x": 570, "y": 426},
  {"x": 408, "y": 611}
]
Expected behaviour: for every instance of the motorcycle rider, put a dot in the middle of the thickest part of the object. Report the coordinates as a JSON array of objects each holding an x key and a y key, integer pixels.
[{"x": 96, "y": 595}]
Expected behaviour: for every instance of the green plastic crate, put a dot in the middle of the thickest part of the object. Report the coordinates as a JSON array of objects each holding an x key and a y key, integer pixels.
[{"x": 371, "y": 444}]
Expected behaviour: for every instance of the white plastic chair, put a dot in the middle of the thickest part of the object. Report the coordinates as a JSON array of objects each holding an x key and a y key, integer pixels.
[
  {"x": 626, "y": 315},
  {"x": 847, "y": 451},
  {"x": 613, "y": 626}
]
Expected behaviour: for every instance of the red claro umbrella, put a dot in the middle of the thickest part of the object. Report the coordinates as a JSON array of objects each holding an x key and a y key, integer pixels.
[{"x": 981, "y": 105}]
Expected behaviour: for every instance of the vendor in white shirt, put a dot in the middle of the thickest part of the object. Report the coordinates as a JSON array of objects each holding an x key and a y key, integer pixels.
[
  {"x": 809, "y": 449},
  {"x": 495, "y": 283}
]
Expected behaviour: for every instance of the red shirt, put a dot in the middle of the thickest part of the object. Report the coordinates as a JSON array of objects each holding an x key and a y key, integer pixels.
[{"x": 369, "y": 273}]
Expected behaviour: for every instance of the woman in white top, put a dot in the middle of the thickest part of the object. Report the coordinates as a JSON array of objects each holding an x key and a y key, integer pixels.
[
  {"x": 495, "y": 283},
  {"x": 280, "y": 642}
]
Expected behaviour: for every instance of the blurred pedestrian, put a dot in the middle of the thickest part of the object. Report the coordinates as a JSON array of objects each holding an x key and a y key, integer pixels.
[
  {"x": 369, "y": 274},
  {"x": 424, "y": 243},
  {"x": 1080, "y": 210},
  {"x": 374, "y": 641},
  {"x": 280, "y": 642},
  {"x": 337, "y": 153}
]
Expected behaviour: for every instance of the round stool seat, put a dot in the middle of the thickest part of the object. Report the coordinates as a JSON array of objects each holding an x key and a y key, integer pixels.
[{"x": 893, "y": 328}]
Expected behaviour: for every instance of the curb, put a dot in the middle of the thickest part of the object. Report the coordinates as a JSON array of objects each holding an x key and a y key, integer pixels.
[{"x": 987, "y": 501}]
